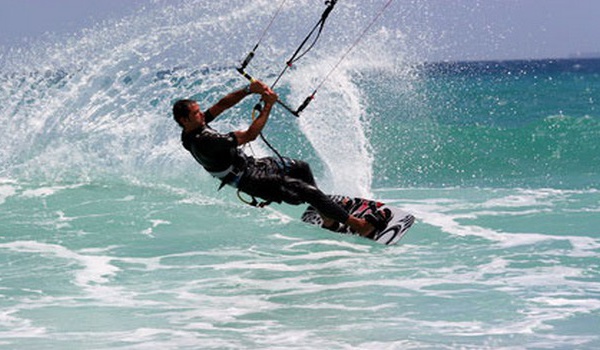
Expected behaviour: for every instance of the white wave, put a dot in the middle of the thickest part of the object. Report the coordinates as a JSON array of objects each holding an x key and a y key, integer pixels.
[
  {"x": 7, "y": 191},
  {"x": 94, "y": 274}
]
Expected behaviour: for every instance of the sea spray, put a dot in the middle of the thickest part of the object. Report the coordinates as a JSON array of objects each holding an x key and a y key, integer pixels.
[{"x": 99, "y": 102}]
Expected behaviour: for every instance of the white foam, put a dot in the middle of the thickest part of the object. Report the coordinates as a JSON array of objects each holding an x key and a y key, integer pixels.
[
  {"x": 42, "y": 192},
  {"x": 18, "y": 327},
  {"x": 331, "y": 243},
  {"x": 6, "y": 191},
  {"x": 287, "y": 238},
  {"x": 96, "y": 270},
  {"x": 276, "y": 215},
  {"x": 573, "y": 306},
  {"x": 527, "y": 198},
  {"x": 446, "y": 214},
  {"x": 154, "y": 224}
]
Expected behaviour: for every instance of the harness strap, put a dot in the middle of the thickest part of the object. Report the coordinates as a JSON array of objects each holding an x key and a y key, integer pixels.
[
  {"x": 254, "y": 202},
  {"x": 228, "y": 176}
]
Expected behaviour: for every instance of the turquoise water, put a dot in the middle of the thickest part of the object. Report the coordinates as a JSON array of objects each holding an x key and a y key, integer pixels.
[{"x": 111, "y": 236}]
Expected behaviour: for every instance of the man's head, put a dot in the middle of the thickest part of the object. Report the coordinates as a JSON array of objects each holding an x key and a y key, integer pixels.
[{"x": 182, "y": 111}]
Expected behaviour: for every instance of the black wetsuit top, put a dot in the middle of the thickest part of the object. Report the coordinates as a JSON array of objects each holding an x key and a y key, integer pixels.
[
  {"x": 214, "y": 151},
  {"x": 273, "y": 179}
]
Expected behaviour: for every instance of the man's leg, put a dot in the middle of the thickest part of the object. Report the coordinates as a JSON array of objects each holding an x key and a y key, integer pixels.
[{"x": 330, "y": 211}]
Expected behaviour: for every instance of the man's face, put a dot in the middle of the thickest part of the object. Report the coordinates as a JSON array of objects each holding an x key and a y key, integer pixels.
[{"x": 194, "y": 118}]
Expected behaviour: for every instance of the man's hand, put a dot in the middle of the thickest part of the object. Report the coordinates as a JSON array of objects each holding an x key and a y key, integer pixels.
[
  {"x": 258, "y": 87},
  {"x": 269, "y": 96}
]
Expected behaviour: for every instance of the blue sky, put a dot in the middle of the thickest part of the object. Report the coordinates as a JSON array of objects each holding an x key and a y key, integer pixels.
[
  {"x": 515, "y": 28},
  {"x": 22, "y": 20},
  {"x": 456, "y": 29}
]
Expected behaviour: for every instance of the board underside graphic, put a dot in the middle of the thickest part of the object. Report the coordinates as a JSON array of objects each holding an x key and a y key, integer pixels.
[{"x": 399, "y": 223}]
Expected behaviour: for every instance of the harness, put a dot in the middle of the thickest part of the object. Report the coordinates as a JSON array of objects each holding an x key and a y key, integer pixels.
[
  {"x": 230, "y": 176},
  {"x": 233, "y": 174},
  {"x": 283, "y": 168}
]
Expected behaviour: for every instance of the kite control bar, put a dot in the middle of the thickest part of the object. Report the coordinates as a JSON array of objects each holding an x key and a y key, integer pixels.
[
  {"x": 281, "y": 103},
  {"x": 298, "y": 54}
]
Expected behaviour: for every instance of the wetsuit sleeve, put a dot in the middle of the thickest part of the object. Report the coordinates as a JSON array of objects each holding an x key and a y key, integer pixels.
[{"x": 208, "y": 117}]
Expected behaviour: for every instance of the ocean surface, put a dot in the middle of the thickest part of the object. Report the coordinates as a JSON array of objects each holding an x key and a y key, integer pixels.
[{"x": 112, "y": 237}]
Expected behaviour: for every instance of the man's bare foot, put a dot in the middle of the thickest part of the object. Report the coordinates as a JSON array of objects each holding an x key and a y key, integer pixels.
[
  {"x": 374, "y": 221},
  {"x": 362, "y": 226},
  {"x": 327, "y": 222}
]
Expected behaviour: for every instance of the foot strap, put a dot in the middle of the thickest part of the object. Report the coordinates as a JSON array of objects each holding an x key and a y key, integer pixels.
[{"x": 379, "y": 219}]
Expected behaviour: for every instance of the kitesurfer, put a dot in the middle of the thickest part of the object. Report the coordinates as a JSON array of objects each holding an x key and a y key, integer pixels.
[{"x": 274, "y": 179}]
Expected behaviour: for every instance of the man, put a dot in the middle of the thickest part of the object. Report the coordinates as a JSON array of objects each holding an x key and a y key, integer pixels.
[{"x": 273, "y": 179}]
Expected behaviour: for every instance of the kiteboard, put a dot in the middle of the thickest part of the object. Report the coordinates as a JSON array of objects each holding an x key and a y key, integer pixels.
[{"x": 398, "y": 221}]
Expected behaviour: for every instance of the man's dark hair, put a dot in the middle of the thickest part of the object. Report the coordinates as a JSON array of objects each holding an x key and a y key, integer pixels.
[{"x": 181, "y": 109}]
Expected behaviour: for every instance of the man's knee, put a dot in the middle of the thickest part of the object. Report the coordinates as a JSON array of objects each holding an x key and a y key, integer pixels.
[
  {"x": 303, "y": 172},
  {"x": 297, "y": 191}
]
